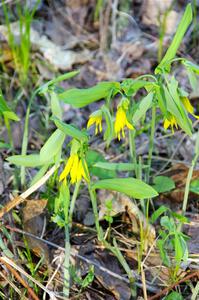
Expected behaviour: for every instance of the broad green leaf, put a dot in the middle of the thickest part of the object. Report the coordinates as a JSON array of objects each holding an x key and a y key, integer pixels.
[
  {"x": 130, "y": 186},
  {"x": 162, "y": 209},
  {"x": 39, "y": 174},
  {"x": 82, "y": 97},
  {"x": 131, "y": 86},
  {"x": 93, "y": 157},
  {"x": 175, "y": 107},
  {"x": 163, "y": 253},
  {"x": 181, "y": 30},
  {"x": 161, "y": 99},
  {"x": 194, "y": 186},
  {"x": 144, "y": 105},
  {"x": 117, "y": 166},
  {"x": 4, "y": 145},
  {"x": 55, "y": 105},
  {"x": 44, "y": 88},
  {"x": 5, "y": 110},
  {"x": 173, "y": 296},
  {"x": 163, "y": 184},
  {"x": 191, "y": 66},
  {"x": 109, "y": 133},
  {"x": 192, "y": 79},
  {"x": 52, "y": 145},
  {"x": 31, "y": 160},
  {"x": 178, "y": 248},
  {"x": 167, "y": 223},
  {"x": 69, "y": 130}
]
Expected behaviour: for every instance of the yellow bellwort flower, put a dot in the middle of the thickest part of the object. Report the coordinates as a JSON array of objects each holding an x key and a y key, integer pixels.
[
  {"x": 189, "y": 108},
  {"x": 170, "y": 121},
  {"x": 121, "y": 122},
  {"x": 95, "y": 118},
  {"x": 76, "y": 167}
]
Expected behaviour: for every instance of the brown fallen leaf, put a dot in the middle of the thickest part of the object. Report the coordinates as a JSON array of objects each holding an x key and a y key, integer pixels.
[
  {"x": 121, "y": 204},
  {"x": 179, "y": 174},
  {"x": 34, "y": 223}
]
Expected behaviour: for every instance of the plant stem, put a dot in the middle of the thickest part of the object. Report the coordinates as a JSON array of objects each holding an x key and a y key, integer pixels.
[
  {"x": 7, "y": 123},
  {"x": 151, "y": 143},
  {"x": 116, "y": 251},
  {"x": 66, "y": 288},
  {"x": 189, "y": 176},
  {"x": 133, "y": 150},
  {"x": 25, "y": 135},
  {"x": 95, "y": 211},
  {"x": 73, "y": 200}
]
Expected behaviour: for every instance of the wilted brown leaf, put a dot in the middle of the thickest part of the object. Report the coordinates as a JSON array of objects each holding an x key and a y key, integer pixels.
[{"x": 121, "y": 204}]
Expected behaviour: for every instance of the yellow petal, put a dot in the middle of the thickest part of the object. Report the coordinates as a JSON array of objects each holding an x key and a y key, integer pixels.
[
  {"x": 130, "y": 126},
  {"x": 91, "y": 121},
  {"x": 187, "y": 105},
  {"x": 67, "y": 168},
  {"x": 74, "y": 169},
  {"x": 167, "y": 123},
  {"x": 84, "y": 169}
]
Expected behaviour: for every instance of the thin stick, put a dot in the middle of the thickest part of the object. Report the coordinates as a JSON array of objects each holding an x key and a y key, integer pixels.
[
  {"x": 12, "y": 285},
  {"x": 73, "y": 253},
  {"x": 19, "y": 269},
  {"x": 19, "y": 279},
  {"x": 166, "y": 290},
  {"x": 16, "y": 201}
]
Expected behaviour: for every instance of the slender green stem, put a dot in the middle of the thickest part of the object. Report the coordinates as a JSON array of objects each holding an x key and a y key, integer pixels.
[
  {"x": 7, "y": 123},
  {"x": 25, "y": 135},
  {"x": 66, "y": 288},
  {"x": 133, "y": 151},
  {"x": 189, "y": 176},
  {"x": 151, "y": 143},
  {"x": 95, "y": 211},
  {"x": 73, "y": 200},
  {"x": 116, "y": 251}
]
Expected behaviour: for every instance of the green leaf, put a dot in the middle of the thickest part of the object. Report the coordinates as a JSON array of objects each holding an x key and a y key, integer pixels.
[
  {"x": 39, "y": 174},
  {"x": 178, "y": 248},
  {"x": 109, "y": 133},
  {"x": 4, "y": 145},
  {"x": 69, "y": 130},
  {"x": 89, "y": 277},
  {"x": 55, "y": 105},
  {"x": 131, "y": 86},
  {"x": 117, "y": 166},
  {"x": 168, "y": 223},
  {"x": 144, "y": 105},
  {"x": 31, "y": 161},
  {"x": 162, "y": 209},
  {"x": 173, "y": 296},
  {"x": 191, "y": 66},
  {"x": 181, "y": 30},
  {"x": 175, "y": 107},
  {"x": 163, "y": 253},
  {"x": 194, "y": 186},
  {"x": 130, "y": 186},
  {"x": 82, "y": 97},
  {"x": 161, "y": 99},
  {"x": 5, "y": 110},
  {"x": 163, "y": 184},
  {"x": 52, "y": 145},
  {"x": 93, "y": 157},
  {"x": 44, "y": 88}
]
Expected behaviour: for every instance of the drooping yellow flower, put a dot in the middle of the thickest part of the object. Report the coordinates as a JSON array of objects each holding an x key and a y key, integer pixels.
[
  {"x": 188, "y": 106},
  {"x": 95, "y": 118},
  {"x": 170, "y": 121},
  {"x": 121, "y": 122},
  {"x": 76, "y": 167}
]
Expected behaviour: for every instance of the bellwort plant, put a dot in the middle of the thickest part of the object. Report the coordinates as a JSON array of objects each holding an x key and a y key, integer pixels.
[{"x": 165, "y": 100}]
